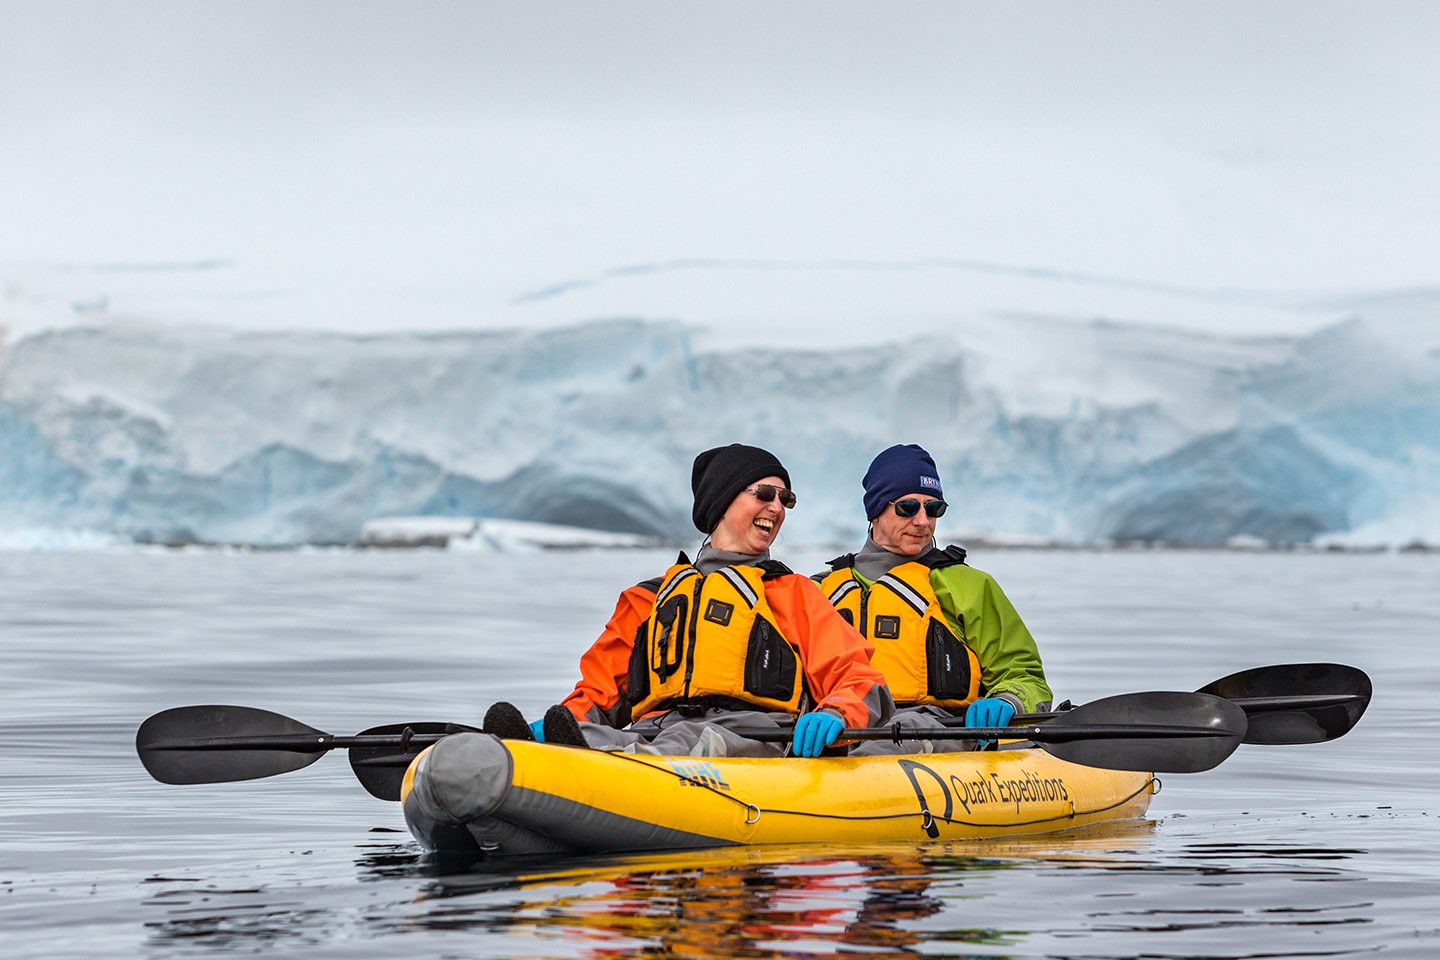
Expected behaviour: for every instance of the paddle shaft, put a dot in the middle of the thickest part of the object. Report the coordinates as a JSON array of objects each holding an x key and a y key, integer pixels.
[
  {"x": 298, "y": 742},
  {"x": 1039, "y": 734},
  {"x": 304, "y": 743}
]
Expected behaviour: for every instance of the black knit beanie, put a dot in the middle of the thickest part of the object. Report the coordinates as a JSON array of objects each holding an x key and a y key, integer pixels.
[{"x": 721, "y": 473}]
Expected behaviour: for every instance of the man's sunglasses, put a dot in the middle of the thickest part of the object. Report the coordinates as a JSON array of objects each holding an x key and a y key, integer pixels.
[
  {"x": 907, "y": 508},
  {"x": 765, "y": 492}
]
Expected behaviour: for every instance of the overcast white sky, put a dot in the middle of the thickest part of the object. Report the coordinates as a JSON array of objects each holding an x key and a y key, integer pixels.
[{"x": 470, "y": 152}]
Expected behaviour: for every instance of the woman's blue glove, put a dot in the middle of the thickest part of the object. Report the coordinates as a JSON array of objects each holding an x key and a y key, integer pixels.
[
  {"x": 537, "y": 728},
  {"x": 814, "y": 732}
]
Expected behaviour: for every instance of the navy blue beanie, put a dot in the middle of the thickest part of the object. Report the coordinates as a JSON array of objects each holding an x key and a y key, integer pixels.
[
  {"x": 721, "y": 473},
  {"x": 897, "y": 471}
]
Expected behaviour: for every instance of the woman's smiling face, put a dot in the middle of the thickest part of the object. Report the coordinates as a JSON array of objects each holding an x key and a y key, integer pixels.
[{"x": 750, "y": 524}]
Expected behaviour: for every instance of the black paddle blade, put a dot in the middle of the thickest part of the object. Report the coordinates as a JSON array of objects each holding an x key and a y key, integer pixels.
[
  {"x": 218, "y": 744},
  {"x": 1297, "y": 702},
  {"x": 381, "y": 770},
  {"x": 1160, "y": 742}
]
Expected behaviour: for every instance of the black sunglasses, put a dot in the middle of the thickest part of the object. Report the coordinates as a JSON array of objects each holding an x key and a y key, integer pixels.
[
  {"x": 765, "y": 492},
  {"x": 907, "y": 508}
]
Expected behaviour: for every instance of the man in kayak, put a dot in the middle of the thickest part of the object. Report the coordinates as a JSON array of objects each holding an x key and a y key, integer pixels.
[
  {"x": 732, "y": 640},
  {"x": 946, "y": 637}
]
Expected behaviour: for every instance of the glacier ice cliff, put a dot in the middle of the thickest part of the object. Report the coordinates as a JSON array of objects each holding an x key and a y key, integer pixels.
[{"x": 1074, "y": 431}]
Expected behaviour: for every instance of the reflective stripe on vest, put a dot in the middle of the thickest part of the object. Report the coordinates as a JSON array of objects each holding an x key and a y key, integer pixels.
[
  {"x": 713, "y": 638},
  {"x": 922, "y": 659}
]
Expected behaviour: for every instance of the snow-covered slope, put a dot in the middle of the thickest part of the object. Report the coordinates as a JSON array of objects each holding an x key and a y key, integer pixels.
[{"x": 1076, "y": 430}]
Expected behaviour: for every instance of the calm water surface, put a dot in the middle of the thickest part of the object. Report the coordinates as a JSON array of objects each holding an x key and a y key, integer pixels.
[{"x": 1327, "y": 850}]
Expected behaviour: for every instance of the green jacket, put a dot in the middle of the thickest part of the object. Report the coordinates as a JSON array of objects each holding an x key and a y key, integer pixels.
[
  {"x": 1009, "y": 660},
  {"x": 1010, "y": 666}
]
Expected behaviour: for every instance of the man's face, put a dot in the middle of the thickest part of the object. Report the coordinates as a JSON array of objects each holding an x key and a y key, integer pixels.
[{"x": 907, "y": 536}]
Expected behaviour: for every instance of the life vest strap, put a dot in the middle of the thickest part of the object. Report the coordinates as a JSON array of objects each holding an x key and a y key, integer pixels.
[
  {"x": 684, "y": 575},
  {"x": 742, "y": 587},
  {"x": 905, "y": 592}
]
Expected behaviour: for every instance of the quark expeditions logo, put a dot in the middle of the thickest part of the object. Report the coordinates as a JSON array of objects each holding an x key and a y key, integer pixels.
[
  {"x": 979, "y": 791},
  {"x": 699, "y": 773}
]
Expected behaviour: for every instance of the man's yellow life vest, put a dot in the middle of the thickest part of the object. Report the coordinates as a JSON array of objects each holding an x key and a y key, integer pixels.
[
  {"x": 711, "y": 640},
  {"x": 922, "y": 659}
]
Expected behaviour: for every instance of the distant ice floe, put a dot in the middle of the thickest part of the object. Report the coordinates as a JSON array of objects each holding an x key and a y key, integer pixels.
[{"x": 478, "y": 534}]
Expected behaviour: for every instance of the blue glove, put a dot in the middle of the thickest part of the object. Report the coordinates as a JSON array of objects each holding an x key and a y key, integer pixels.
[
  {"x": 814, "y": 732},
  {"x": 989, "y": 712},
  {"x": 537, "y": 728}
]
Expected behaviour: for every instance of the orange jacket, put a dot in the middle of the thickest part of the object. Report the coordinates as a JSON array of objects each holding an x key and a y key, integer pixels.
[{"x": 833, "y": 655}]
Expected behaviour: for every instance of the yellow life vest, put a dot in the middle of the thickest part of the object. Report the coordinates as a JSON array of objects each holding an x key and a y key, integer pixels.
[
  {"x": 922, "y": 659},
  {"x": 711, "y": 640}
]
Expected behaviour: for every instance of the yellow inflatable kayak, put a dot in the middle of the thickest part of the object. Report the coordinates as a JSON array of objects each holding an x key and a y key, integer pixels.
[{"x": 474, "y": 793}]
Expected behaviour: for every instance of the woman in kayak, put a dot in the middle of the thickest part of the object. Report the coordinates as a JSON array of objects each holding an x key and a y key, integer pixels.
[
  {"x": 946, "y": 637},
  {"x": 733, "y": 639}
]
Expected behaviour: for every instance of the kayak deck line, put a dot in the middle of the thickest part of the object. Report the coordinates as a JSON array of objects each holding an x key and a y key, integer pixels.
[{"x": 1152, "y": 784}]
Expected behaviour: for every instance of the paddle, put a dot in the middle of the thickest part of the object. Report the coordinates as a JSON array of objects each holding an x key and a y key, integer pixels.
[
  {"x": 218, "y": 743},
  {"x": 1162, "y": 731},
  {"x": 1287, "y": 703},
  {"x": 1297, "y": 702}
]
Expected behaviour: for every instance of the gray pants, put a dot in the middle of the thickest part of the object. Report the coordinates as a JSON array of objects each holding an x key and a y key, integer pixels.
[
  {"x": 672, "y": 735},
  {"x": 920, "y": 718}
]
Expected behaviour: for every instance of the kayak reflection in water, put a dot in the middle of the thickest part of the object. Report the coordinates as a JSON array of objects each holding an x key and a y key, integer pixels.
[
  {"x": 733, "y": 639},
  {"x": 946, "y": 637},
  {"x": 760, "y": 909}
]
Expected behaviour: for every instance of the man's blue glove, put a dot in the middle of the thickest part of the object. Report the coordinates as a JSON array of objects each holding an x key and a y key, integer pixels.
[
  {"x": 989, "y": 712},
  {"x": 537, "y": 728},
  {"x": 814, "y": 732}
]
